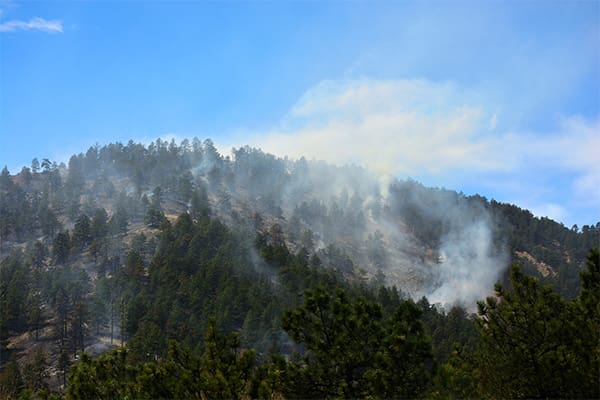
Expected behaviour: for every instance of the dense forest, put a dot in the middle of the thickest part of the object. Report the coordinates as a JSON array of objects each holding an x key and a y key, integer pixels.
[{"x": 171, "y": 271}]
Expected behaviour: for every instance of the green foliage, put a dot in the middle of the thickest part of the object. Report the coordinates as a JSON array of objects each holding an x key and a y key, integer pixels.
[
  {"x": 200, "y": 269},
  {"x": 199, "y": 206},
  {"x": 222, "y": 371},
  {"x": 82, "y": 233},
  {"x": 14, "y": 285},
  {"x": 118, "y": 221},
  {"x": 15, "y": 212},
  {"x": 108, "y": 377},
  {"x": 587, "y": 314},
  {"x": 34, "y": 311},
  {"x": 36, "y": 372},
  {"x": 11, "y": 380},
  {"x": 590, "y": 282},
  {"x": 530, "y": 344},
  {"x": 457, "y": 377},
  {"x": 61, "y": 248},
  {"x": 354, "y": 351},
  {"x": 448, "y": 329},
  {"x": 154, "y": 216},
  {"x": 226, "y": 369},
  {"x": 99, "y": 224}
]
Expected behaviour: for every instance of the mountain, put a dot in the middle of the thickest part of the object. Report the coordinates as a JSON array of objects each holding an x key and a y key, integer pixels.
[
  {"x": 420, "y": 239},
  {"x": 137, "y": 245}
]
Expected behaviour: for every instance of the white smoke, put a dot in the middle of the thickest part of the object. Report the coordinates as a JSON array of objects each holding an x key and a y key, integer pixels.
[
  {"x": 417, "y": 127},
  {"x": 469, "y": 266},
  {"x": 391, "y": 127}
]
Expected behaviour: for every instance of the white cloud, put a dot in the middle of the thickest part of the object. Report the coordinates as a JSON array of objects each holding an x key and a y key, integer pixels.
[
  {"x": 34, "y": 24},
  {"x": 493, "y": 121},
  {"x": 549, "y": 210},
  {"x": 419, "y": 127},
  {"x": 572, "y": 149},
  {"x": 392, "y": 127},
  {"x": 579, "y": 149}
]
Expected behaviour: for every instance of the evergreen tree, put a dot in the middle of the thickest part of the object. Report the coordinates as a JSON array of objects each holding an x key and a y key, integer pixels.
[
  {"x": 99, "y": 224},
  {"x": 35, "y": 166},
  {"x": 354, "y": 351},
  {"x": 61, "y": 247},
  {"x": 155, "y": 215},
  {"x": 36, "y": 372},
  {"x": 587, "y": 317},
  {"x": 82, "y": 233},
  {"x": 15, "y": 281},
  {"x": 11, "y": 381},
  {"x": 35, "y": 312},
  {"x": 226, "y": 371},
  {"x": 119, "y": 220},
  {"x": 221, "y": 372},
  {"x": 48, "y": 222},
  {"x": 528, "y": 343}
]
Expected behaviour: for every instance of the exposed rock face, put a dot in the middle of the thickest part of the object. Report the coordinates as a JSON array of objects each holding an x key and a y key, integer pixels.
[{"x": 543, "y": 268}]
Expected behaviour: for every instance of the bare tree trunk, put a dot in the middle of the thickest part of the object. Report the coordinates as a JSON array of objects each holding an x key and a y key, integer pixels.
[{"x": 112, "y": 319}]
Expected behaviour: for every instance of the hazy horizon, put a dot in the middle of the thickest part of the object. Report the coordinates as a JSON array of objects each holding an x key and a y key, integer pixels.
[{"x": 499, "y": 99}]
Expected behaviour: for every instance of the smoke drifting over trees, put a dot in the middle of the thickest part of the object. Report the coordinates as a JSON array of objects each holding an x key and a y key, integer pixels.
[
  {"x": 428, "y": 242},
  {"x": 134, "y": 246}
]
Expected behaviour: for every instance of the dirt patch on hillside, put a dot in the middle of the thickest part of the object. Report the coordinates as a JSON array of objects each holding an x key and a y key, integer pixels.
[{"x": 541, "y": 266}]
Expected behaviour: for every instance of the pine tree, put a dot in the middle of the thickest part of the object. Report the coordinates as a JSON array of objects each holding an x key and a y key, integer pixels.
[
  {"x": 82, "y": 233},
  {"x": 11, "y": 380},
  {"x": 528, "y": 343},
  {"x": 354, "y": 351},
  {"x": 36, "y": 372},
  {"x": 99, "y": 224},
  {"x": 61, "y": 247}
]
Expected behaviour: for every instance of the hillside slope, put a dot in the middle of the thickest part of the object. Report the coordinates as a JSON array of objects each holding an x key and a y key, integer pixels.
[
  {"x": 410, "y": 236},
  {"x": 134, "y": 245}
]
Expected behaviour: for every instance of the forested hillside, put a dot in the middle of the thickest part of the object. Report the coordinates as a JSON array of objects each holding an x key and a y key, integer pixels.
[{"x": 172, "y": 271}]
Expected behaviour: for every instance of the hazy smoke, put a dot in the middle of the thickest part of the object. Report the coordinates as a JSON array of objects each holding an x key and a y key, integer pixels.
[
  {"x": 433, "y": 243},
  {"x": 469, "y": 266},
  {"x": 391, "y": 127},
  {"x": 428, "y": 242}
]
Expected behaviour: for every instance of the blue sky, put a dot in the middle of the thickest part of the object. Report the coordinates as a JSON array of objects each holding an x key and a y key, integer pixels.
[{"x": 496, "y": 98}]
